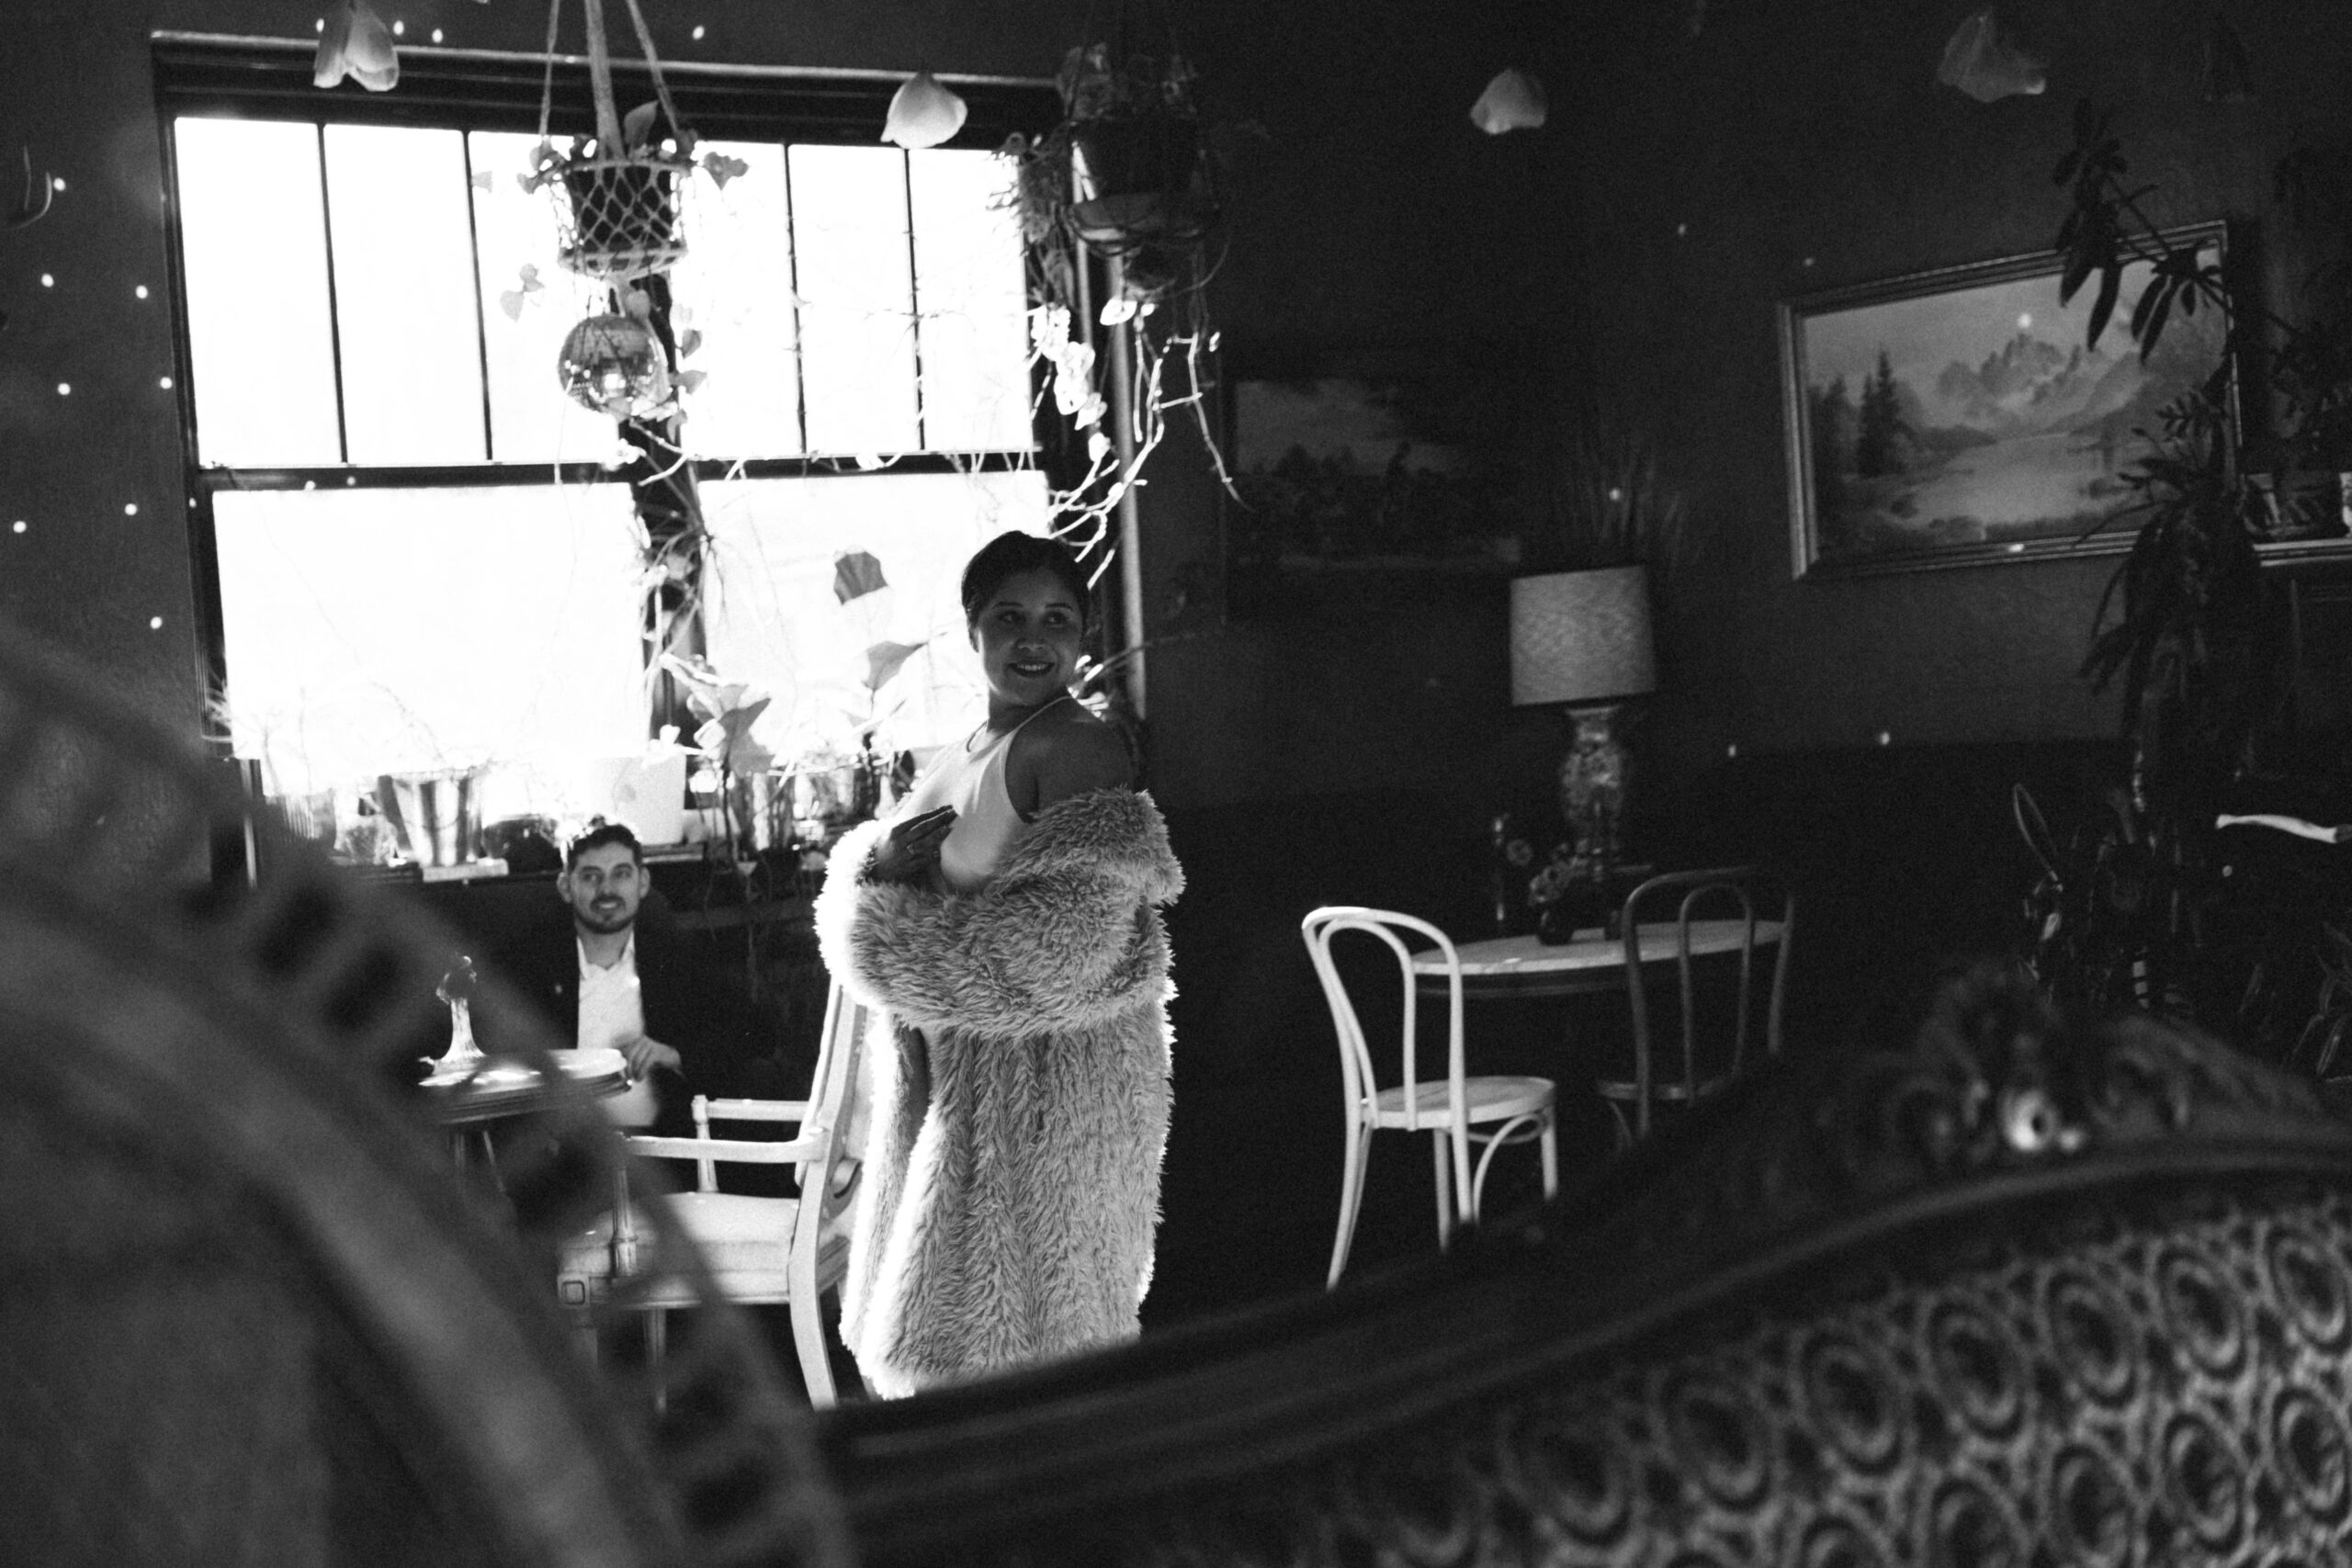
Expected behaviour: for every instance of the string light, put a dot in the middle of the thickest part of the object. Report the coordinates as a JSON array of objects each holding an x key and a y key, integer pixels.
[
  {"x": 58, "y": 181},
  {"x": 154, "y": 623},
  {"x": 47, "y": 281},
  {"x": 436, "y": 35},
  {"x": 139, "y": 292},
  {"x": 165, "y": 382},
  {"x": 130, "y": 509},
  {"x": 698, "y": 30},
  {"x": 400, "y": 29},
  {"x": 65, "y": 388},
  {"x": 19, "y": 526}
]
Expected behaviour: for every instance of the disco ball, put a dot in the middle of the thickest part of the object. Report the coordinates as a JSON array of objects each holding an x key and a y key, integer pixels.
[{"x": 614, "y": 365}]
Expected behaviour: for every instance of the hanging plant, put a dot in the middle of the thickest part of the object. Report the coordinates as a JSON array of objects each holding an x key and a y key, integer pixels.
[
  {"x": 1124, "y": 179},
  {"x": 619, "y": 219}
]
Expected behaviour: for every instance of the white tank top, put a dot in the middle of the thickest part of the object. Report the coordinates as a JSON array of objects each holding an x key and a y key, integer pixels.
[{"x": 986, "y": 827}]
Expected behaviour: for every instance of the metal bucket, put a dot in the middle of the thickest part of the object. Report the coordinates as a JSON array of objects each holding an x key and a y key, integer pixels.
[{"x": 437, "y": 815}]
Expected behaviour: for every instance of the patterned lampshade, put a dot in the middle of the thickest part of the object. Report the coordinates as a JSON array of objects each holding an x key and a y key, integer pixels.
[{"x": 1581, "y": 637}]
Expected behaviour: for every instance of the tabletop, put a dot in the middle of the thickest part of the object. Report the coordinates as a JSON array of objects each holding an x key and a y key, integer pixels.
[
  {"x": 510, "y": 1085},
  {"x": 1521, "y": 965}
]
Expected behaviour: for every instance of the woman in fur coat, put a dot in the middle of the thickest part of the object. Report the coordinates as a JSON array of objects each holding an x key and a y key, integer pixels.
[{"x": 1005, "y": 919}]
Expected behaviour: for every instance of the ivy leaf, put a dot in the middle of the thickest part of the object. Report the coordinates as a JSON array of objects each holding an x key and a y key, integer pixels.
[{"x": 722, "y": 168}]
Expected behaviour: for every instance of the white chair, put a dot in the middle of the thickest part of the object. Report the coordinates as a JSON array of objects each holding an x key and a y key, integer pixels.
[
  {"x": 759, "y": 1250},
  {"x": 1457, "y": 1110}
]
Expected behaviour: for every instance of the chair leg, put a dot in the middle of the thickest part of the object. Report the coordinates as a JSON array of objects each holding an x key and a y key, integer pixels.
[
  {"x": 1352, "y": 1171},
  {"x": 657, "y": 1343},
  {"x": 1445, "y": 1211},
  {"x": 1551, "y": 1147},
  {"x": 809, "y": 1337}
]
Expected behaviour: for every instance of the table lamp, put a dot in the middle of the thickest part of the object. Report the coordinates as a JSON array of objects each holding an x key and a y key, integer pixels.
[{"x": 1582, "y": 639}]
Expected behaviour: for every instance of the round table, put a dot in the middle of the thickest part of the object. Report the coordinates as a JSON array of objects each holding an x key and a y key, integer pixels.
[
  {"x": 1522, "y": 967},
  {"x": 492, "y": 1088},
  {"x": 471, "y": 1099}
]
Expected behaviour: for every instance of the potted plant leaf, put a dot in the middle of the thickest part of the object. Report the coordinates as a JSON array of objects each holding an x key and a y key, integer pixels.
[{"x": 1123, "y": 170}]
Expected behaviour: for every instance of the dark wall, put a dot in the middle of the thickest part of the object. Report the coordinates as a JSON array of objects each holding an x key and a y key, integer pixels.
[{"x": 1794, "y": 147}]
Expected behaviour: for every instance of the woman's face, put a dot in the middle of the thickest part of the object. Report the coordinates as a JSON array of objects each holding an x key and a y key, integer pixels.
[{"x": 1028, "y": 633}]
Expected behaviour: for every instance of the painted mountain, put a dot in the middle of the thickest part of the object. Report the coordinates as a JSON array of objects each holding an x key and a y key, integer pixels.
[{"x": 1980, "y": 417}]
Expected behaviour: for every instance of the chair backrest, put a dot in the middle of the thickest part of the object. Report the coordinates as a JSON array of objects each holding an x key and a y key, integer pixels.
[
  {"x": 1360, "y": 1079},
  {"x": 822, "y": 1117},
  {"x": 1704, "y": 920}
]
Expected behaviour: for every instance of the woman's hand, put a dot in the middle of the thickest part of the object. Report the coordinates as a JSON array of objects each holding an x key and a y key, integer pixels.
[{"x": 911, "y": 848}]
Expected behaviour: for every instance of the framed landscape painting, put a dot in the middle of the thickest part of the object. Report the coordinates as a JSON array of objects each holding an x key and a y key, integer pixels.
[{"x": 1960, "y": 417}]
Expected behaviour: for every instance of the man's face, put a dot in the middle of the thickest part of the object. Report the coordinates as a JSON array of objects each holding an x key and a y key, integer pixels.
[{"x": 603, "y": 889}]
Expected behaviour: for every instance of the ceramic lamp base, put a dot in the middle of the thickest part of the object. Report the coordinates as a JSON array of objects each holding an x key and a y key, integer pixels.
[{"x": 1593, "y": 778}]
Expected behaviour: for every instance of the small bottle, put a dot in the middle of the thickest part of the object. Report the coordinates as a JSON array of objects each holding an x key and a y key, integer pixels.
[{"x": 1499, "y": 880}]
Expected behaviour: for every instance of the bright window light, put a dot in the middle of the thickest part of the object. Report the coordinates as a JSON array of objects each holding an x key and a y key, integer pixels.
[
  {"x": 735, "y": 291},
  {"x": 531, "y": 420},
  {"x": 405, "y": 294},
  {"x": 773, "y": 617},
  {"x": 374, "y": 631},
  {"x": 970, "y": 290},
  {"x": 254, "y": 243},
  {"x": 857, "y": 301}
]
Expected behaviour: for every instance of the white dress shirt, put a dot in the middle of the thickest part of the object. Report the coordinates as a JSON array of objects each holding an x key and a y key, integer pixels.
[{"x": 612, "y": 1012}]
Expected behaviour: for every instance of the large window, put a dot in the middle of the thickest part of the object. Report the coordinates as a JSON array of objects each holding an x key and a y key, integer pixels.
[{"x": 423, "y": 555}]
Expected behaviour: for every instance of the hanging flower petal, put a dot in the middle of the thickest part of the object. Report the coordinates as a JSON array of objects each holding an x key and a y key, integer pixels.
[
  {"x": 855, "y": 574},
  {"x": 356, "y": 43},
  {"x": 883, "y": 659},
  {"x": 1512, "y": 101},
  {"x": 922, "y": 113},
  {"x": 1984, "y": 62}
]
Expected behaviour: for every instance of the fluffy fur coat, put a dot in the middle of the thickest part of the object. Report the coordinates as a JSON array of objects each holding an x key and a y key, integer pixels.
[{"x": 1013, "y": 1148}]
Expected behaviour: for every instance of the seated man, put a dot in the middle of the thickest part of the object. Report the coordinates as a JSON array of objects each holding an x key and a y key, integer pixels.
[{"x": 619, "y": 975}]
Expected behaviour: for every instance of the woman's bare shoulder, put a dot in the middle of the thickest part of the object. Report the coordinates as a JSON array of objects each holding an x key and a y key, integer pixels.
[{"x": 1068, "y": 751}]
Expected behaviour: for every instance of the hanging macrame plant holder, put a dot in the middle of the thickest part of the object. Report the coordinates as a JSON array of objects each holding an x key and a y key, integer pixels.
[{"x": 619, "y": 220}]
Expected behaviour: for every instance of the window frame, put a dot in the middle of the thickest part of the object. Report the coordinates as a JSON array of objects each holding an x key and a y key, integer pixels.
[{"x": 465, "y": 90}]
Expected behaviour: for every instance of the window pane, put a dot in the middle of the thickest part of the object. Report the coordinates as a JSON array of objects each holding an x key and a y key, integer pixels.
[
  {"x": 380, "y": 631},
  {"x": 856, "y": 312},
  {"x": 405, "y": 294},
  {"x": 255, "y": 244},
  {"x": 772, "y": 619},
  {"x": 970, "y": 289},
  {"x": 531, "y": 420},
  {"x": 735, "y": 289}
]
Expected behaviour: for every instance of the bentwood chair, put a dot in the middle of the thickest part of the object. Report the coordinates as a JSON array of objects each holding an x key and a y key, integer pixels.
[
  {"x": 760, "y": 1251},
  {"x": 1718, "y": 928},
  {"x": 1457, "y": 1110}
]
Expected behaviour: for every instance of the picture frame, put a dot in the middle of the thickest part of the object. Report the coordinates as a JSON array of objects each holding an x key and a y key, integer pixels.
[
  {"x": 1363, "y": 473},
  {"x": 1957, "y": 417}
]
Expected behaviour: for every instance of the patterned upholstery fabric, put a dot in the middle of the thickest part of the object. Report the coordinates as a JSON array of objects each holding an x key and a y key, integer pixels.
[{"x": 2005, "y": 1295}]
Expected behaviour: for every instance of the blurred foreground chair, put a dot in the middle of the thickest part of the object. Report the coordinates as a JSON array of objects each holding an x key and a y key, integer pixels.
[
  {"x": 760, "y": 1251},
  {"x": 2007, "y": 1292},
  {"x": 1457, "y": 1110},
  {"x": 1717, "y": 928}
]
